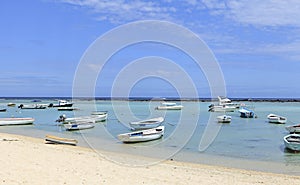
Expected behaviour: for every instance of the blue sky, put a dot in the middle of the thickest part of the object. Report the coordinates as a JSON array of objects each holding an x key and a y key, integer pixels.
[{"x": 256, "y": 43}]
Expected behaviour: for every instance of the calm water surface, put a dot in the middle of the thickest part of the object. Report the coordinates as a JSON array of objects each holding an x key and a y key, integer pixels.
[{"x": 246, "y": 143}]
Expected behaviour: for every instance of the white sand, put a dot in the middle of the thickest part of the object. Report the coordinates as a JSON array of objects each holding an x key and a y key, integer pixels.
[{"x": 27, "y": 160}]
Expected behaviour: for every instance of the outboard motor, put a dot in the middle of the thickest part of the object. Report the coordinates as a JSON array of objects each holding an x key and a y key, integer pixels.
[{"x": 61, "y": 118}]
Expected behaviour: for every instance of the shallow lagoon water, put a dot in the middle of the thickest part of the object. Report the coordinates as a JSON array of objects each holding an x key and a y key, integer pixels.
[{"x": 244, "y": 143}]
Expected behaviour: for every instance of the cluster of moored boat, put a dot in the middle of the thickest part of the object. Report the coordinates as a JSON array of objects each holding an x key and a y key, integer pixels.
[
  {"x": 82, "y": 122},
  {"x": 28, "y": 120},
  {"x": 144, "y": 130},
  {"x": 226, "y": 105},
  {"x": 291, "y": 141},
  {"x": 149, "y": 129},
  {"x": 62, "y": 105}
]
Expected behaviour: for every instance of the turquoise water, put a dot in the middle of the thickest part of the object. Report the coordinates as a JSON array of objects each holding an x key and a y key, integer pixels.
[{"x": 244, "y": 143}]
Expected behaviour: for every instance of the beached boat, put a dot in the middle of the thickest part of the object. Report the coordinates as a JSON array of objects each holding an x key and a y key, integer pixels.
[
  {"x": 67, "y": 108},
  {"x": 169, "y": 106},
  {"x": 246, "y": 113},
  {"x": 61, "y": 103},
  {"x": 146, "y": 124},
  {"x": 32, "y": 106},
  {"x": 60, "y": 140},
  {"x": 2, "y": 109},
  {"x": 16, "y": 121},
  {"x": 273, "y": 118},
  {"x": 224, "y": 119},
  {"x": 11, "y": 104},
  {"x": 292, "y": 142},
  {"x": 293, "y": 128},
  {"x": 79, "y": 126},
  {"x": 142, "y": 135}
]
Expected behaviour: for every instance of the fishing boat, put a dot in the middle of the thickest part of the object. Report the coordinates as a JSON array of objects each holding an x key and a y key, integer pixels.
[
  {"x": 293, "y": 128},
  {"x": 226, "y": 101},
  {"x": 224, "y": 119},
  {"x": 79, "y": 126},
  {"x": 224, "y": 105},
  {"x": 91, "y": 118},
  {"x": 32, "y": 106},
  {"x": 246, "y": 113},
  {"x": 142, "y": 135},
  {"x": 16, "y": 121},
  {"x": 61, "y": 103},
  {"x": 273, "y": 118},
  {"x": 60, "y": 140},
  {"x": 169, "y": 106},
  {"x": 146, "y": 124},
  {"x": 292, "y": 142}
]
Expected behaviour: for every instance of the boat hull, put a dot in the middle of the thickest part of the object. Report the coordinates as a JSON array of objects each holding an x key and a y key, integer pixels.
[
  {"x": 292, "y": 142},
  {"x": 142, "y": 136},
  {"x": 59, "y": 140},
  {"x": 82, "y": 126},
  {"x": 16, "y": 121},
  {"x": 293, "y": 128},
  {"x": 276, "y": 119},
  {"x": 175, "y": 107},
  {"x": 222, "y": 109},
  {"x": 245, "y": 113},
  {"x": 224, "y": 119},
  {"x": 146, "y": 124},
  {"x": 93, "y": 119}
]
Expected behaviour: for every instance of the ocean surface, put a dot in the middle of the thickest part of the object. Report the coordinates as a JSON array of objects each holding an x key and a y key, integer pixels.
[{"x": 248, "y": 143}]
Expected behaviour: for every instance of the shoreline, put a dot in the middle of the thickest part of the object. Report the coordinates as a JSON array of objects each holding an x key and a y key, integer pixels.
[
  {"x": 187, "y": 99},
  {"x": 28, "y": 160}
]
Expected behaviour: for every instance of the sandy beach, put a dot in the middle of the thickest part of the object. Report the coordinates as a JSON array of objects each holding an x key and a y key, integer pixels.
[{"x": 26, "y": 160}]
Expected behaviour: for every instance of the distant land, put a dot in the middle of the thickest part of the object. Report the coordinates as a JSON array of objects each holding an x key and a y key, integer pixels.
[{"x": 155, "y": 99}]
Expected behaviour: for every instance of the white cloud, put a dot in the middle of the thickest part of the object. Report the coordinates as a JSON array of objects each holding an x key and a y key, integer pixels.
[
  {"x": 228, "y": 17},
  {"x": 257, "y": 12},
  {"x": 120, "y": 11}
]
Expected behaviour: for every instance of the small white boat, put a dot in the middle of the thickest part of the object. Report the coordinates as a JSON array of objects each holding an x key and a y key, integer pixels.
[
  {"x": 293, "y": 128},
  {"x": 32, "y": 106},
  {"x": 62, "y": 103},
  {"x": 16, "y": 121},
  {"x": 99, "y": 113},
  {"x": 79, "y": 126},
  {"x": 292, "y": 142},
  {"x": 169, "y": 106},
  {"x": 60, "y": 140},
  {"x": 273, "y": 118},
  {"x": 224, "y": 119},
  {"x": 221, "y": 108},
  {"x": 246, "y": 113},
  {"x": 91, "y": 118},
  {"x": 142, "y": 135},
  {"x": 67, "y": 108},
  {"x": 146, "y": 124}
]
